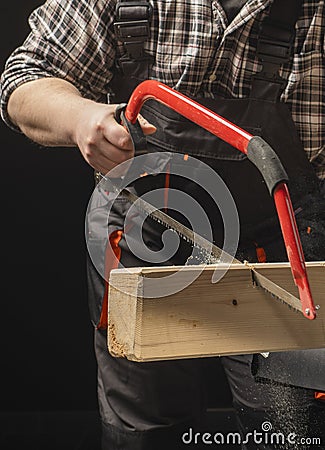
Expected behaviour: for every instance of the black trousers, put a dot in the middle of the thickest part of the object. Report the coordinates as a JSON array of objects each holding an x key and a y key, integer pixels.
[{"x": 161, "y": 405}]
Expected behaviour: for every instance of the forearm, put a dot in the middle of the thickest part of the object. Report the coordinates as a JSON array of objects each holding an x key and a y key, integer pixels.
[
  {"x": 47, "y": 110},
  {"x": 52, "y": 112}
]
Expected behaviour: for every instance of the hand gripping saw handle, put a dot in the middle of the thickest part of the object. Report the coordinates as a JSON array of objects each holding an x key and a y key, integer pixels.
[{"x": 257, "y": 151}]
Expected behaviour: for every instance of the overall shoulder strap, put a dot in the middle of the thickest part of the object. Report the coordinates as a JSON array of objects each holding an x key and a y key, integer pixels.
[
  {"x": 132, "y": 28},
  {"x": 274, "y": 47}
]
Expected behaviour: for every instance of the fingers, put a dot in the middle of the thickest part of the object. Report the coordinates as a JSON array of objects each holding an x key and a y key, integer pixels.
[
  {"x": 117, "y": 145},
  {"x": 115, "y": 134},
  {"x": 104, "y": 155},
  {"x": 103, "y": 142}
]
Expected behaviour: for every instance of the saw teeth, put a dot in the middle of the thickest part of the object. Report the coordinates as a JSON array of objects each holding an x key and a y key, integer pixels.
[{"x": 292, "y": 308}]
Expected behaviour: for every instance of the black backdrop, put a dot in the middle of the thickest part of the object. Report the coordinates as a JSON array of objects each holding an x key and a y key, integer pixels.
[
  {"x": 47, "y": 361},
  {"x": 46, "y": 335}
]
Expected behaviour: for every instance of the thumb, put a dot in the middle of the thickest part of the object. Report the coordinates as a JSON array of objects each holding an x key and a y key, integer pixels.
[{"x": 146, "y": 126}]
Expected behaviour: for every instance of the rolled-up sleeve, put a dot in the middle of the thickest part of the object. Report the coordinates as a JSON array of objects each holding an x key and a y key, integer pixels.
[{"x": 69, "y": 39}]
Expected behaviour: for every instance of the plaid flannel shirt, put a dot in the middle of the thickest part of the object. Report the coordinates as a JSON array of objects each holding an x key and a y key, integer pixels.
[{"x": 196, "y": 51}]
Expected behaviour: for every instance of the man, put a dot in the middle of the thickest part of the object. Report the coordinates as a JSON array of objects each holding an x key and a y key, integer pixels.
[{"x": 54, "y": 89}]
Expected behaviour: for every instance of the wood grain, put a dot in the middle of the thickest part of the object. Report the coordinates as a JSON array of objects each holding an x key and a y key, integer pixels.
[{"x": 229, "y": 317}]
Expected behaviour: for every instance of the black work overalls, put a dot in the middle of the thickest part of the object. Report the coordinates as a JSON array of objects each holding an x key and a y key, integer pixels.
[
  {"x": 172, "y": 388},
  {"x": 261, "y": 114}
]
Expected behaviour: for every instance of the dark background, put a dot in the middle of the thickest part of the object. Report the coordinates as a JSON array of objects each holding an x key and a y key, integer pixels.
[{"x": 48, "y": 370}]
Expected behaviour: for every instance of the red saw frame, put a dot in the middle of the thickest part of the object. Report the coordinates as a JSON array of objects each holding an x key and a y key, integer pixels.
[{"x": 241, "y": 140}]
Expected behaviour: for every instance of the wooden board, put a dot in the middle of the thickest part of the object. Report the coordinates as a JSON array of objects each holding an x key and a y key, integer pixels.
[{"x": 231, "y": 316}]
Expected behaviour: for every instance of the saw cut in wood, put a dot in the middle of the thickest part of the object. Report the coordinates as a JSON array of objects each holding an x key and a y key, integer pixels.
[{"x": 233, "y": 316}]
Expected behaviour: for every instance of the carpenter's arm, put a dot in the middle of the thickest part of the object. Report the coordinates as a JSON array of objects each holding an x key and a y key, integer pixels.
[
  {"x": 52, "y": 112},
  {"x": 54, "y": 87}
]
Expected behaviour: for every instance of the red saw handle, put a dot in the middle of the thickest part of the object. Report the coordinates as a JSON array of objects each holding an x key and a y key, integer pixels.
[{"x": 257, "y": 150}]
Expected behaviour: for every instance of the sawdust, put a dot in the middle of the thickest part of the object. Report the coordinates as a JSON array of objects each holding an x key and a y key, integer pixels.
[
  {"x": 287, "y": 417},
  {"x": 201, "y": 257},
  {"x": 116, "y": 348}
]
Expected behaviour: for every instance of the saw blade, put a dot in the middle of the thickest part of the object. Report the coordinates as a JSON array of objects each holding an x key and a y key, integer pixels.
[{"x": 211, "y": 251}]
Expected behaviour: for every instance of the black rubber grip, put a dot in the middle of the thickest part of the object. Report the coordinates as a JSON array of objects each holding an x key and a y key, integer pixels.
[
  {"x": 262, "y": 155},
  {"x": 118, "y": 111},
  {"x": 138, "y": 138}
]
